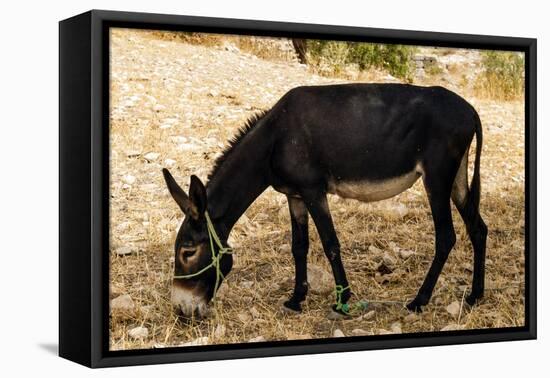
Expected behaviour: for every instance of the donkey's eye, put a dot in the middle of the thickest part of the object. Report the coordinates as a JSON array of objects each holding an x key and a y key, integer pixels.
[{"x": 188, "y": 251}]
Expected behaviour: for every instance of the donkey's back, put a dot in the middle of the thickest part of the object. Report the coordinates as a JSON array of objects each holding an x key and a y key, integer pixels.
[{"x": 347, "y": 136}]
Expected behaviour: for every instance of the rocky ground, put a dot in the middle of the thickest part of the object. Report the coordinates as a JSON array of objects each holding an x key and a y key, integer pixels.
[{"x": 175, "y": 105}]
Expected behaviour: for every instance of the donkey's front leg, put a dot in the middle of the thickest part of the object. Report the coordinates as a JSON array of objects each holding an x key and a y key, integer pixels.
[
  {"x": 300, "y": 246},
  {"x": 317, "y": 205}
]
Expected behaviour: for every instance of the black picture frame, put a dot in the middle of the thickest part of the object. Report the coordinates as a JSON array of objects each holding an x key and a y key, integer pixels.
[{"x": 84, "y": 190}]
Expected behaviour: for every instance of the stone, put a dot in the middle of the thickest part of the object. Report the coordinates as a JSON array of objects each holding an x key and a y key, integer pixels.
[
  {"x": 129, "y": 179},
  {"x": 284, "y": 248},
  {"x": 383, "y": 331},
  {"x": 257, "y": 339},
  {"x": 151, "y": 156},
  {"x": 396, "y": 327},
  {"x": 123, "y": 251},
  {"x": 138, "y": 333},
  {"x": 179, "y": 139},
  {"x": 305, "y": 336},
  {"x": 399, "y": 210},
  {"x": 338, "y": 333},
  {"x": 368, "y": 316},
  {"x": 158, "y": 107},
  {"x": 219, "y": 332},
  {"x": 360, "y": 332},
  {"x": 394, "y": 247},
  {"x": 246, "y": 284},
  {"x": 410, "y": 318},
  {"x": 114, "y": 291},
  {"x": 374, "y": 249},
  {"x": 467, "y": 267},
  {"x": 319, "y": 280},
  {"x": 255, "y": 313},
  {"x": 388, "y": 260},
  {"x": 212, "y": 142},
  {"x": 453, "y": 308},
  {"x": 146, "y": 309},
  {"x": 452, "y": 327},
  {"x": 199, "y": 341},
  {"x": 243, "y": 317},
  {"x": 390, "y": 79},
  {"x": 169, "y": 162},
  {"x": 123, "y": 304},
  {"x": 405, "y": 253}
]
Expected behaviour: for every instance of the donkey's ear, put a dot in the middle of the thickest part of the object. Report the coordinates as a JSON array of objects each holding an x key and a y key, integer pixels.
[
  {"x": 197, "y": 196},
  {"x": 177, "y": 192}
]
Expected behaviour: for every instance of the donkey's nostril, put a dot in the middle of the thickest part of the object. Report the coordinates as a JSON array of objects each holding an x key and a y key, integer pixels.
[
  {"x": 187, "y": 313},
  {"x": 187, "y": 301}
]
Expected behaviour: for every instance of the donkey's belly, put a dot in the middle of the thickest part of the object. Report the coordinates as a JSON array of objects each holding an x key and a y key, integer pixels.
[{"x": 370, "y": 191}]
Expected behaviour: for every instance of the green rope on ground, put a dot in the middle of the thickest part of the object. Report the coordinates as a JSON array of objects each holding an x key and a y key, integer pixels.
[
  {"x": 346, "y": 308},
  {"x": 214, "y": 239}
]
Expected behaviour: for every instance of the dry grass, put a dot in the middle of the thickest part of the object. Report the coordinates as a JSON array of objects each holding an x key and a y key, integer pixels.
[
  {"x": 183, "y": 101},
  {"x": 274, "y": 49},
  {"x": 503, "y": 76}
]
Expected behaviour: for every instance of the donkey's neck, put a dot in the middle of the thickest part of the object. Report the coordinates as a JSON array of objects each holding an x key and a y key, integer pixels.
[{"x": 240, "y": 178}]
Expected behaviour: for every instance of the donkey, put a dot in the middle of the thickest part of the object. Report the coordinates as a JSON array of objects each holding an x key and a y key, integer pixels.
[{"x": 368, "y": 142}]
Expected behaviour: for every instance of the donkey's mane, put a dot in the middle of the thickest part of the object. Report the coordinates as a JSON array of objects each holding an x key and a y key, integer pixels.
[{"x": 250, "y": 123}]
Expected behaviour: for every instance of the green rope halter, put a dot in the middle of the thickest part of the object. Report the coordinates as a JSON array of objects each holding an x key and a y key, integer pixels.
[
  {"x": 214, "y": 238},
  {"x": 346, "y": 308}
]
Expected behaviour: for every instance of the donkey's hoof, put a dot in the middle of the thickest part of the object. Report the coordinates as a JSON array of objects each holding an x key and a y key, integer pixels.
[
  {"x": 292, "y": 307},
  {"x": 414, "y": 306},
  {"x": 337, "y": 315},
  {"x": 472, "y": 299}
]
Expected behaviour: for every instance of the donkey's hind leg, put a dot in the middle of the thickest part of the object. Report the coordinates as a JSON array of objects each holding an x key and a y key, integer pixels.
[
  {"x": 476, "y": 228},
  {"x": 438, "y": 183},
  {"x": 300, "y": 246}
]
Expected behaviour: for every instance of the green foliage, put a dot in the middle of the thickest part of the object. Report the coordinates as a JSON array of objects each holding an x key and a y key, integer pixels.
[
  {"x": 327, "y": 56},
  {"x": 396, "y": 59},
  {"x": 434, "y": 69},
  {"x": 503, "y": 75}
]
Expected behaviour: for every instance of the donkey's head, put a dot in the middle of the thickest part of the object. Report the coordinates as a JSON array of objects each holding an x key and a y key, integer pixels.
[{"x": 198, "y": 269}]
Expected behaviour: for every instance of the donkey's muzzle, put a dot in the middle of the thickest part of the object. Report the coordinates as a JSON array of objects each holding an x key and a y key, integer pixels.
[{"x": 188, "y": 301}]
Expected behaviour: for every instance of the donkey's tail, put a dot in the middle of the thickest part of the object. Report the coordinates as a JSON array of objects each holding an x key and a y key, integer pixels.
[{"x": 475, "y": 185}]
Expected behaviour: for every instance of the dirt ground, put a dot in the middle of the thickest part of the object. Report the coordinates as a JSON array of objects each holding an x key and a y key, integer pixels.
[{"x": 175, "y": 105}]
